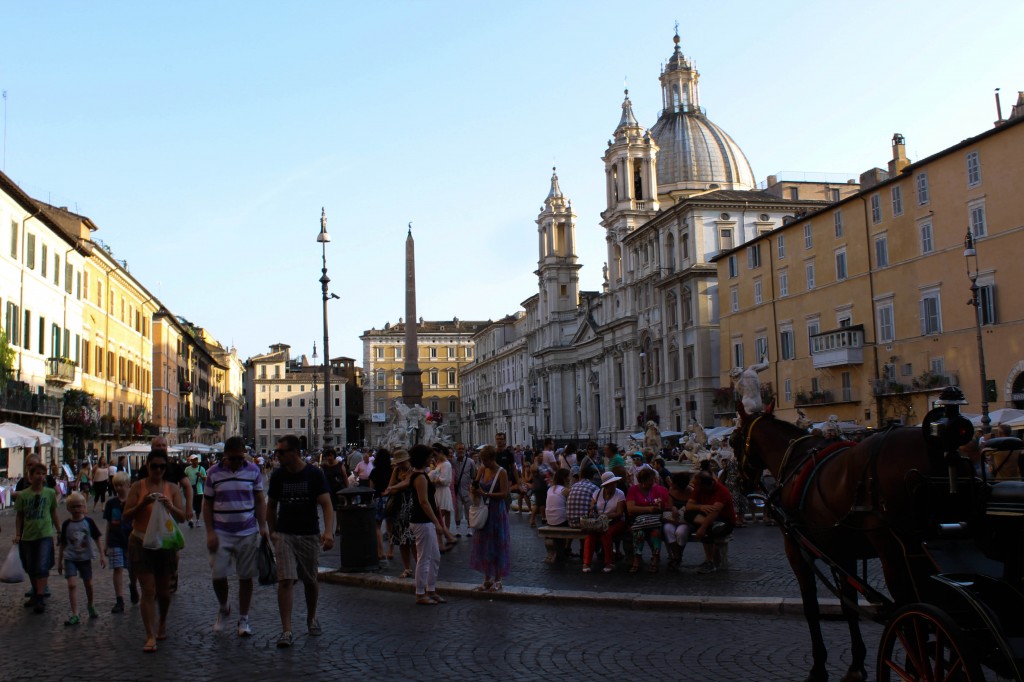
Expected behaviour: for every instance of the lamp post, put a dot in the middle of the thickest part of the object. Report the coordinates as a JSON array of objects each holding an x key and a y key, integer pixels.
[
  {"x": 323, "y": 238},
  {"x": 971, "y": 254}
]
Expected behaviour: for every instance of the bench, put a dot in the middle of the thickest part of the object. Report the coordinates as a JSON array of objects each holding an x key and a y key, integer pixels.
[{"x": 557, "y": 538}]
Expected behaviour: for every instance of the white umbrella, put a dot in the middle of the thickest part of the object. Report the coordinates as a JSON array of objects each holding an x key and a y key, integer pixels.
[
  {"x": 1004, "y": 415},
  {"x": 140, "y": 449},
  {"x": 217, "y": 447},
  {"x": 17, "y": 436},
  {"x": 192, "y": 446},
  {"x": 719, "y": 432}
]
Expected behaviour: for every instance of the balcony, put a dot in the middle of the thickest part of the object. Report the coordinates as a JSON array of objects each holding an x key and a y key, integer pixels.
[
  {"x": 60, "y": 371},
  {"x": 184, "y": 387},
  {"x": 826, "y": 397},
  {"x": 838, "y": 347}
]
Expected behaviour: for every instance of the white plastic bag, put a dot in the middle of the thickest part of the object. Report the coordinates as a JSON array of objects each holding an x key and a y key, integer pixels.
[
  {"x": 12, "y": 571},
  {"x": 162, "y": 532}
]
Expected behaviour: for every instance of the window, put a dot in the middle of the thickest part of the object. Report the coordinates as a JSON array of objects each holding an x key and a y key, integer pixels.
[
  {"x": 54, "y": 338},
  {"x": 757, "y": 292},
  {"x": 886, "y": 323},
  {"x": 734, "y": 298},
  {"x": 837, "y": 219},
  {"x": 469, "y": 353},
  {"x": 897, "y": 200},
  {"x": 753, "y": 256},
  {"x": 846, "y": 381},
  {"x": 787, "y": 389},
  {"x": 976, "y": 213},
  {"x": 761, "y": 348},
  {"x": 809, "y": 273},
  {"x": 288, "y": 402},
  {"x": 380, "y": 352},
  {"x": 398, "y": 353},
  {"x": 686, "y": 245},
  {"x": 69, "y": 280},
  {"x": 277, "y": 423},
  {"x": 973, "y": 169},
  {"x": 56, "y": 269},
  {"x": 27, "y": 331},
  {"x": 927, "y": 246},
  {"x": 783, "y": 283},
  {"x": 808, "y": 236},
  {"x": 931, "y": 313},
  {"x": 813, "y": 327},
  {"x": 302, "y": 423},
  {"x": 451, "y": 377},
  {"x": 733, "y": 268},
  {"x": 433, "y": 352},
  {"x": 922, "y": 189},
  {"x": 277, "y": 402},
  {"x": 381, "y": 380},
  {"x": 302, "y": 402},
  {"x": 841, "y": 264},
  {"x": 737, "y": 354},
  {"x": 724, "y": 239},
  {"x": 263, "y": 423},
  {"x": 14, "y": 239},
  {"x": 987, "y": 299},
  {"x": 42, "y": 336},
  {"x": 288, "y": 423},
  {"x": 794, "y": 193},
  {"x": 881, "y": 251},
  {"x": 782, "y": 246},
  {"x": 787, "y": 347},
  {"x": 451, "y": 352},
  {"x": 30, "y": 252},
  {"x": 433, "y": 377},
  {"x": 876, "y": 209}
]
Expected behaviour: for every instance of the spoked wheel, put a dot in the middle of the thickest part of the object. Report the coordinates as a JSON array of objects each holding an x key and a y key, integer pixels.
[{"x": 922, "y": 644}]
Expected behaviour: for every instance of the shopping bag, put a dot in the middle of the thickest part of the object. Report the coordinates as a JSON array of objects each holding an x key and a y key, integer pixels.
[
  {"x": 12, "y": 571},
  {"x": 478, "y": 515},
  {"x": 266, "y": 563},
  {"x": 162, "y": 532}
]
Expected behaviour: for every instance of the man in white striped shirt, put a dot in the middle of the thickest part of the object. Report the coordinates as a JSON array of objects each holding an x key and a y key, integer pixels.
[{"x": 235, "y": 514}]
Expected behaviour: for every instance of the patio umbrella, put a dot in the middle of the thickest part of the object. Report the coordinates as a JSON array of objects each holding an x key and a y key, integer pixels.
[
  {"x": 1004, "y": 415},
  {"x": 17, "y": 436},
  {"x": 192, "y": 446},
  {"x": 140, "y": 449},
  {"x": 217, "y": 447}
]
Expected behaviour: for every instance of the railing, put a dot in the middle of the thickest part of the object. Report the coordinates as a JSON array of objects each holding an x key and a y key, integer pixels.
[
  {"x": 31, "y": 403},
  {"x": 60, "y": 370}
]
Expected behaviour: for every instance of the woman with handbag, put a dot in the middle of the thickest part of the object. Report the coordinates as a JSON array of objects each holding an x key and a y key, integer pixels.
[
  {"x": 491, "y": 543},
  {"x": 608, "y": 510},
  {"x": 645, "y": 503},
  {"x": 426, "y": 526},
  {"x": 153, "y": 567},
  {"x": 398, "y": 510}
]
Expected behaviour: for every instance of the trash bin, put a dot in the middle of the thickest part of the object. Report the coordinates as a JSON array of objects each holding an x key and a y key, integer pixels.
[{"x": 357, "y": 512}]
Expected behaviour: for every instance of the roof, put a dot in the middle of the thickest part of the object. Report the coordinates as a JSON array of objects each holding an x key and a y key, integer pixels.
[{"x": 453, "y": 326}]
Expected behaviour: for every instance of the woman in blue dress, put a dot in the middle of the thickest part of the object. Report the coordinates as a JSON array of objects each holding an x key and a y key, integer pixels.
[{"x": 490, "y": 554}]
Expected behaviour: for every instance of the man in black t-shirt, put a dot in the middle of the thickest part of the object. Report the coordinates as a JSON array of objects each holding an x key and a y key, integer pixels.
[
  {"x": 506, "y": 459},
  {"x": 296, "y": 490}
]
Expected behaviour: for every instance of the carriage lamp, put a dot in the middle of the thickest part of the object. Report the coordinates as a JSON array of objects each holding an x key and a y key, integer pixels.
[{"x": 971, "y": 257}]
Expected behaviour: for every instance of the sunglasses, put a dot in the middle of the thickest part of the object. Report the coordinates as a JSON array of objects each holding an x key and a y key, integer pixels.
[
  {"x": 279, "y": 451},
  {"x": 157, "y": 466}
]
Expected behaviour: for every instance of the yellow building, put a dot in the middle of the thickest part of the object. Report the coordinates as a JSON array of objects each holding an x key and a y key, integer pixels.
[
  {"x": 444, "y": 348},
  {"x": 860, "y": 306}
]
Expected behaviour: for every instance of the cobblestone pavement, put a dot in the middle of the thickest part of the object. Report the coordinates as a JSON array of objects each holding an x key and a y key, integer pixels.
[{"x": 377, "y": 635}]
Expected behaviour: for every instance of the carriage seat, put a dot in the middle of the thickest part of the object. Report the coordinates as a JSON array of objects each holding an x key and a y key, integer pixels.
[
  {"x": 1006, "y": 498},
  {"x": 1005, "y": 455}
]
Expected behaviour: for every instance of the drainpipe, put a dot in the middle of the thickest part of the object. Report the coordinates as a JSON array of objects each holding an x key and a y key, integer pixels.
[{"x": 871, "y": 294}]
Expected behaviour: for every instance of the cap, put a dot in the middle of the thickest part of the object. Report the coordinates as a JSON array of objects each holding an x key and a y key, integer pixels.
[{"x": 194, "y": 458}]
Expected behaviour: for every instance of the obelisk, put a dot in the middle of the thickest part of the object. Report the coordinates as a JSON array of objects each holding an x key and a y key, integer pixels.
[{"x": 412, "y": 377}]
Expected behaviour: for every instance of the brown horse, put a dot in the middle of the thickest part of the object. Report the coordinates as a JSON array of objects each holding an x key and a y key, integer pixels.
[{"x": 844, "y": 502}]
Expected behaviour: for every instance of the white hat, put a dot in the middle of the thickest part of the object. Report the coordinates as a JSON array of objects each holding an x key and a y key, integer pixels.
[{"x": 607, "y": 478}]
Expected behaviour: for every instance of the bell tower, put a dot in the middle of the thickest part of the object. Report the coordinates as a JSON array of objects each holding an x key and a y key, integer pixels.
[
  {"x": 631, "y": 180},
  {"x": 557, "y": 266}
]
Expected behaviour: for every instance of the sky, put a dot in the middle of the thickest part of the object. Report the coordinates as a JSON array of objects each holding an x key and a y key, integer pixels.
[{"x": 203, "y": 138}]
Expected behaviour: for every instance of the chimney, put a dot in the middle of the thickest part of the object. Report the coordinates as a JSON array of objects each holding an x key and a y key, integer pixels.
[{"x": 899, "y": 155}]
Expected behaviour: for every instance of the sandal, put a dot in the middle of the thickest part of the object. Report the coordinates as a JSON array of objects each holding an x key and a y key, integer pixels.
[
  {"x": 149, "y": 648},
  {"x": 486, "y": 587},
  {"x": 496, "y": 587},
  {"x": 635, "y": 568},
  {"x": 407, "y": 573},
  {"x": 436, "y": 598},
  {"x": 425, "y": 601},
  {"x": 653, "y": 567}
]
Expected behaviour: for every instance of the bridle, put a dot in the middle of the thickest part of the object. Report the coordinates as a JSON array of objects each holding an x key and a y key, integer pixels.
[{"x": 747, "y": 438}]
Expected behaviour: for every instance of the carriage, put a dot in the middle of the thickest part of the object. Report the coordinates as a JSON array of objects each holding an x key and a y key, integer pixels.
[{"x": 950, "y": 542}]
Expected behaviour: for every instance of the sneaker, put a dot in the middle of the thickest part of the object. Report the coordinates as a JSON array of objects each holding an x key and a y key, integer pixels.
[
  {"x": 93, "y": 614},
  {"x": 223, "y": 613},
  {"x": 586, "y": 569},
  {"x": 244, "y": 629},
  {"x": 458, "y": 532},
  {"x": 707, "y": 567},
  {"x": 284, "y": 641},
  {"x": 73, "y": 620},
  {"x": 133, "y": 592},
  {"x": 191, "y": 525},
  {"x": 314, "y": 628},
  {"x": 118, "y": 607},
  {"x": 608, "y": 569}
]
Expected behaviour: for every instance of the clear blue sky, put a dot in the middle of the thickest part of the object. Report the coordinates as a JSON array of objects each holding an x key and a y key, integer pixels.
[{"x": 203, "y": 137}]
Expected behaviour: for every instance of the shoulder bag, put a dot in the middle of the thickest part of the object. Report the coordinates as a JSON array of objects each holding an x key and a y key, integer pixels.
[{"x": 478, "y": 510}]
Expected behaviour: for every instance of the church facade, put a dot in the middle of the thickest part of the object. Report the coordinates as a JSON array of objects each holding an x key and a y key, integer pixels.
[{"x": 596, "y": 365}]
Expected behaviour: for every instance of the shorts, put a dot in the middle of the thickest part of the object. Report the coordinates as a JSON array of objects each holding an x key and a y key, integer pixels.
[
  {"x": 118, "y": 557},
  {"x": 36, "y": 556},
  {"x": 540, "y": 497},
  {"x": 242, "y": 549},
  {"x": 81, "y": 569},
  {"x": 159, "y": 562},
  {"x": 298, "y": 557},
  {"x": 720, "y": 528}
]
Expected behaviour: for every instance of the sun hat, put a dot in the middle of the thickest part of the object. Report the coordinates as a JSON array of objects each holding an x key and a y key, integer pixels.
[
  {"x": 607, "y": 478},
  {"x": 399, "y": 456}
]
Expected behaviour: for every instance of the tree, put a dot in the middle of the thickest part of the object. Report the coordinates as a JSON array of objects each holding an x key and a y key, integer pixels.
[{"x": 6, "y": 360}]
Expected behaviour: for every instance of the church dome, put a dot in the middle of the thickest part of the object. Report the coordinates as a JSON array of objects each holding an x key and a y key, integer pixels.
[{"x": 694, "y": 154}]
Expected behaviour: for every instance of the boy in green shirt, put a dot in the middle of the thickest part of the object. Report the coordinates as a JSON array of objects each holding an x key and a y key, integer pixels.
[{"x": 34, "y": 524}]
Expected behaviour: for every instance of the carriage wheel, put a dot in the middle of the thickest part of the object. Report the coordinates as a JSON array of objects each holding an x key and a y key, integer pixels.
[{"x": 921, "y": 643}]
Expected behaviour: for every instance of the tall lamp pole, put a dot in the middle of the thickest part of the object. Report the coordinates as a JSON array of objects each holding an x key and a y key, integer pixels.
[
  {"x": 314, "y": 413},
  {"x": 971, "y": 254},
  {"x": 323, "y": 238}
]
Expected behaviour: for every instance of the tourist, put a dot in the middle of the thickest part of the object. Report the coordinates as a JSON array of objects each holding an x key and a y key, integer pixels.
[
  {"x": 400, "y": 503},
  {"x": 556, "y": 497},
  {"x": 540, "y": 477},
  {"x": 100, "y": 475},
  {"x": 154, "y": 568},
  {"x": 578, "y": 503},
  {"x": 74, "y": 555},
  {"x": 490, "y": 553},
  {"x": 363, "y": 469},
  {"x": 379, "y": 479},
  {"x": 295, "y": 491},
  {"x": 34, "y": 524},
  {"x": 441, "y": 479},
  {"x": 337, "y": 480},
  {"x": 235, "y": 513},
  {"x": 463, "y": 475},
  {"x": 505, "y": 458},
  {"x": 196, "y": 473},
  {"x": 711, "y": 512},
  {"x": 117, "y": 531},
  {"x": 609, "y": 502},
  {"x": 675, "y": 528},
  {"x": 645, "y": 503},
  {"x": 426, "y": 526}
]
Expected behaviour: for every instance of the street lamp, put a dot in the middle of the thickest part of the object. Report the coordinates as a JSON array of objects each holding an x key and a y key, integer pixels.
[
  {"x": 314, "y": 416},
  {"x": 971, "y": 254},
  {"x": 323, "y": 238}
]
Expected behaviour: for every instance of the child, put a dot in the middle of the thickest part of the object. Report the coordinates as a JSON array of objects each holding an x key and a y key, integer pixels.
[
  {"x": 75, "y": 554},
  {"x": 118, "y": 531},
  {"x": 34, "y": 524}
]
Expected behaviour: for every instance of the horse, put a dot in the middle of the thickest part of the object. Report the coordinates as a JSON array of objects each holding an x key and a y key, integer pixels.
[{"x": 845, "y": 502}]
